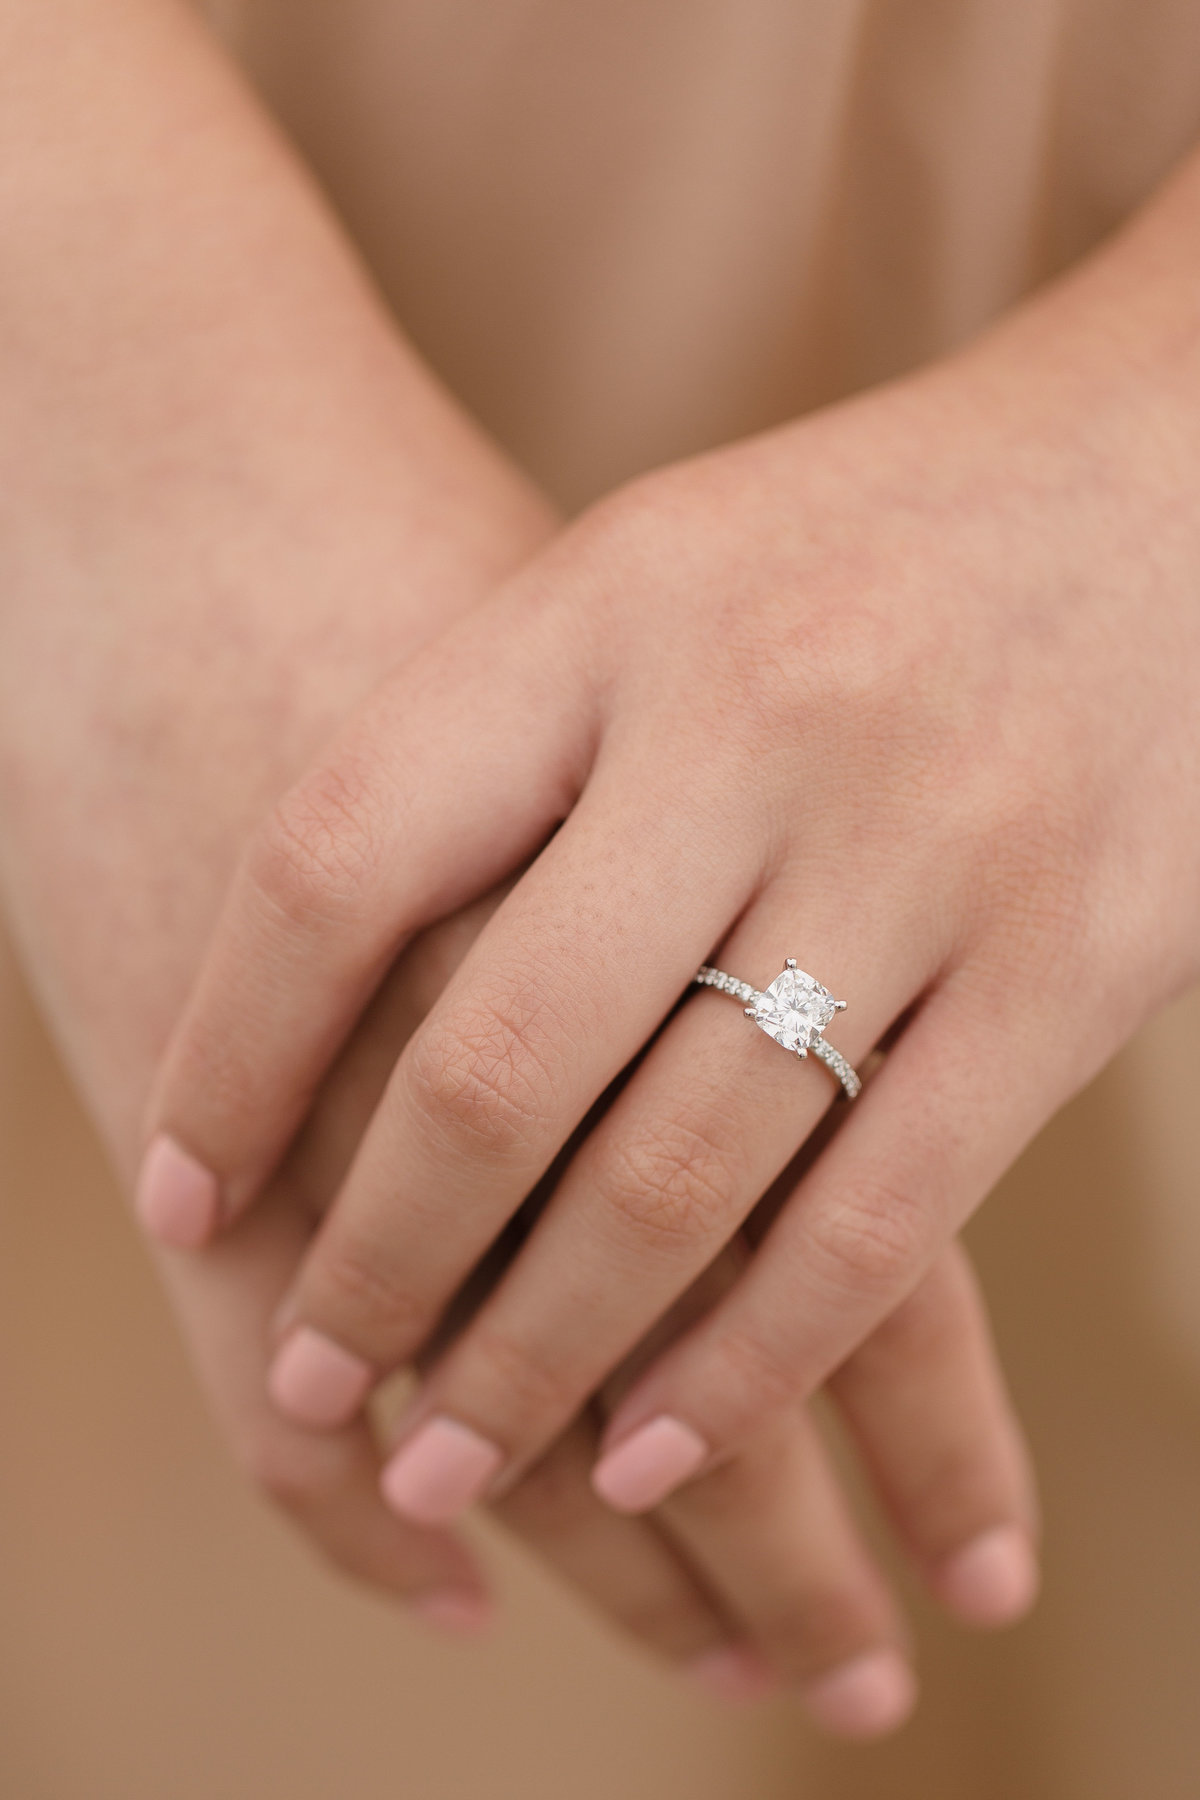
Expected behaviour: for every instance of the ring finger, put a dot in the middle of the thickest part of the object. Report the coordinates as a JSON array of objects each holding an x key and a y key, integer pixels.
[{"x": 664, "y": 1180}]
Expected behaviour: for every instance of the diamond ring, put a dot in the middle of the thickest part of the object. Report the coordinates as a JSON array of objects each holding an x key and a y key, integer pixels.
[{"x": 794, "y": 1010}]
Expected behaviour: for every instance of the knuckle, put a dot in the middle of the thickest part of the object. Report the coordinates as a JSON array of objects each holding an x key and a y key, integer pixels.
[
  {"x": 356, "y": 1279},
  {"x": 852, "y": 673},
  {"x": 481, "y": 1080},
  {"x": 670, "y": 1187},
  {"x": 760, "y": 1371},
  {"x": 320, "y": 849},
  {"x": 539, "y": 1390},
  {"x": 870, "y": 1239}
]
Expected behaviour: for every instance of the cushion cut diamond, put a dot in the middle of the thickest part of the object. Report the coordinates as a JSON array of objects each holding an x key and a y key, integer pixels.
[{"x": 794, "y": 1010}]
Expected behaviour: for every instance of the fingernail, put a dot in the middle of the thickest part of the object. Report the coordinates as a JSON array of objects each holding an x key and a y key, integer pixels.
[
  {"x": 177, "y": 1198},
  {"x": 994, "y": 1580},
  {"x": 439, "y": 1472},
  {"x": 734, "y": 1673},
  {"x": 865, "y": 1697},
  {"x": 456, "y": 1610},
  {"x": 315, "y": 1382},
  {"x": 649, "y": 1465}
]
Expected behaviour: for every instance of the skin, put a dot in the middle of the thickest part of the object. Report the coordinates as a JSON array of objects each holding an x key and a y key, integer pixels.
[
  {"x": 906, "y": 688},
  {"x": 229, "y": 497}
]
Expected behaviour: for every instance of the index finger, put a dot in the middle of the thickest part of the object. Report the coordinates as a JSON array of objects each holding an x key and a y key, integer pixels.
[
  {"x": 453, "y": 774},
  {"x": 563, "y": 987}
]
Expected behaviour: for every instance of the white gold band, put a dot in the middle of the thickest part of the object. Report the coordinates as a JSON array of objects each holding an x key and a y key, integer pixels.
[{"x": 794, "y": 1010}]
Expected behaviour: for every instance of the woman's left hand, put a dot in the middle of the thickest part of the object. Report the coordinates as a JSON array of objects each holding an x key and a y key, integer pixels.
[{"x": 907, "y": 691}]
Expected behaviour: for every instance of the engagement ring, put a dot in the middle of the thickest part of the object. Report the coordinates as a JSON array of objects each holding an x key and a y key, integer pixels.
[{"x": 794, "y": 1010}]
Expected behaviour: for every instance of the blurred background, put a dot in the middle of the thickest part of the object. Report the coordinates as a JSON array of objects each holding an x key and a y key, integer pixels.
[
  {"x": 165, "y": 1638},
  {"x": 623, "y": 233}
]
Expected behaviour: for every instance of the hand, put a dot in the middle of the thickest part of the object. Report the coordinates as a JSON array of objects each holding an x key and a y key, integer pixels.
[
  {"x": 899, "y": 690},
  {"x": 193, "y": 592},
  {"x": 753, "y": 1576}
]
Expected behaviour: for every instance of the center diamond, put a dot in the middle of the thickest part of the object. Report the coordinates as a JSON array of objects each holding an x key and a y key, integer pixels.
[{"x": 794, "y": 1010}]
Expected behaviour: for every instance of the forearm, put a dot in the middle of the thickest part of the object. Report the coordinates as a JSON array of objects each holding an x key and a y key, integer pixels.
[
  {"x": 1092, "y": 383},
  {"x": 229, "y": 496}
]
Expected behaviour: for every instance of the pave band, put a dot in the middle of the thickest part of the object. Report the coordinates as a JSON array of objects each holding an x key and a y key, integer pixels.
[{"x": 794, "y": 1010}]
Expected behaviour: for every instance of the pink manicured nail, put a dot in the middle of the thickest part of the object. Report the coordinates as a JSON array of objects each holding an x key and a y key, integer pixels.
[
  {"x": 994, "y": 1580},
  {"x": 865, "y": 1697},
  {"x": 315, "y": 1382},
  {"x": 439, "y": 1472},
  {"x": 735, "y": 1673},
  {"x": 177, "y": 1198},
  {"x": 456, "y": 1610},
  {"x": 649, "y": 1465}
]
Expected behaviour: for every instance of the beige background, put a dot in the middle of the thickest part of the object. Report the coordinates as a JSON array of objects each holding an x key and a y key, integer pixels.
[{"x": 624, "y": 232}]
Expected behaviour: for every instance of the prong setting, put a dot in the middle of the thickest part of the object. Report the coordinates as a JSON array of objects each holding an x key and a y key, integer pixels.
[{"x": 794, "y": 1011}]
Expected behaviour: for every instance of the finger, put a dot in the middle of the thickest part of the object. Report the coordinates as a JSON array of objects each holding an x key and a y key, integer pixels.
[
  {"x": 917, "y": 1154},
  {"x": 561, "y": 990},
  {"x": 453, "y": 773},
  {"x": 926, "y": 1402},
  {"x": 322, "y": 1151},
  {"x": 634, "y": 1576},
  {"x": 771, "y": 1532},
  {"x": 712, "y": 1116},
  {"x": 766, "y": 1541},
  {"x": 327, "y": 1485}
]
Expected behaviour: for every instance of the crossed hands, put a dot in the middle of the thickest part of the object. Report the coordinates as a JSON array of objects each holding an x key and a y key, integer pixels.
[
  {"x": 905, "y": 691},
  {"x": 897, "y": 691}
]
